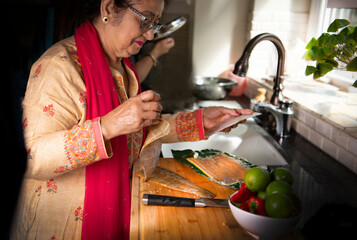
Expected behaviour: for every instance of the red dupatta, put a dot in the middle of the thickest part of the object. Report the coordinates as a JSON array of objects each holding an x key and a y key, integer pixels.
[{"x": 107, "y": 188}]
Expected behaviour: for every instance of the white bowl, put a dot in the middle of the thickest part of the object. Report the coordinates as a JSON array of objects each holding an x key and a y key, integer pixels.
[{"x": 262, "y": 226}]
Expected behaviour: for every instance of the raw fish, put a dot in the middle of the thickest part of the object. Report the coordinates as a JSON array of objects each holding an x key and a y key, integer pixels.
[{"x": 174, "y": 181}]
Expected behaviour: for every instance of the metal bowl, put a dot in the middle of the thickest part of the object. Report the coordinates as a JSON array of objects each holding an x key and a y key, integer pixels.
[
  {"x": 170, "y": 27},
  {"x": 212, "y": 88}
]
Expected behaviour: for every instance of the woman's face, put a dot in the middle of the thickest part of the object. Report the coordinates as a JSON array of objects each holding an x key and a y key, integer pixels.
[{"x": 123, "y": 38}]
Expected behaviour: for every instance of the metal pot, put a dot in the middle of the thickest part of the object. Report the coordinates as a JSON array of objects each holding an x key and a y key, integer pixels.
[{"x": 212, "y": 88}]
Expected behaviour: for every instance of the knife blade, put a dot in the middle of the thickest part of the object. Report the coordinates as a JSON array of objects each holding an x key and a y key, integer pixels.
[{"x": 161, "y": 200}]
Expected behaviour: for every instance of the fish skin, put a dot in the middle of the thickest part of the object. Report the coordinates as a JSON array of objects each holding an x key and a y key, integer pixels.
[
  {"x": 220, "y": 168},
  {"x": 169, "y": 179}
]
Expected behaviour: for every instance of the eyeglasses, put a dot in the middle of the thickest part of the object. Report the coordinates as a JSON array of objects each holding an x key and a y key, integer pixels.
[{"x": 146, "y": 24}]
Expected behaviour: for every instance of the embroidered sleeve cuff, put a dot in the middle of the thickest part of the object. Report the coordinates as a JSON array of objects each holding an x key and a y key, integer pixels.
[
  {"x": 104, "y": 147},
  {"x": 199, "y": 121},
  {"x": 189, "y": 126}
]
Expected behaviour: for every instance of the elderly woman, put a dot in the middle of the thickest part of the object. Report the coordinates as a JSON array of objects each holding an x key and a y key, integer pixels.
[{"x": 85, "y": 121}]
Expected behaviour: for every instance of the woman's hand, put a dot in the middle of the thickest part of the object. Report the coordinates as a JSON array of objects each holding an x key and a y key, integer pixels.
[
  {"x": 215, "y": 115},
  {"x": 134, "y": 114},
  {"x": 163, "y": 47}
]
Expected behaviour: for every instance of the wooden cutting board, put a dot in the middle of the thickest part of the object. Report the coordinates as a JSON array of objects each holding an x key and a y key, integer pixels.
[{"x": 155, "y": 222}]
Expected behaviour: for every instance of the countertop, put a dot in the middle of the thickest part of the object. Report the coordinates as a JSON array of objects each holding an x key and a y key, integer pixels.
[
  {"x": 158, "y": 222},
  {"x": 327, "y": 189}
]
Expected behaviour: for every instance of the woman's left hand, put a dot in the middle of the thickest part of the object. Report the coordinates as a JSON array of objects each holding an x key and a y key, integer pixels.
[{"x": 215, "y": 115}]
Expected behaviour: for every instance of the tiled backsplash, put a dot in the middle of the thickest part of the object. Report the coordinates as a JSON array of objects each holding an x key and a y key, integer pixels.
[
  {"x": 290, "y": 27},
  {"x": 340, "y": 143}
]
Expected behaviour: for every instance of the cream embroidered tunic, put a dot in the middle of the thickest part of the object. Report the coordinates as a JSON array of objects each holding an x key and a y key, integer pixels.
[{"x": 60, "y": 142}]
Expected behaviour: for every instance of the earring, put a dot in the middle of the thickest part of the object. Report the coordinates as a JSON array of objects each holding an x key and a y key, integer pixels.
[{"x": 105, "y": 19}]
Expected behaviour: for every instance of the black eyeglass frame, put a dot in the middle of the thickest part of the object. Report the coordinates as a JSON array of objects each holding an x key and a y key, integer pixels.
[{"x": 146, "y": 23}]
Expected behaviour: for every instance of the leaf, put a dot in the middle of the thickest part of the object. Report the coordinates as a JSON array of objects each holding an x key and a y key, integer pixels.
[
  {"x": 310, "y": 55},
  {"x": 322, "y": 69},
  {"x": 341, "y": 37},
  {"x": 352, "y": 65},
  {"x": 333, "y": 40},
  {"x": 353, "y": 35},
  {"x": 355, "y": 84},
  {"x": 327, "y": 52},
  {"x": 313, "y": 42},
  {"x": 337, "y": 24},
  {"x": 319, "y": 52},
  {"x": 310, "y": 70},
  {"x": 323, "y": 39}
]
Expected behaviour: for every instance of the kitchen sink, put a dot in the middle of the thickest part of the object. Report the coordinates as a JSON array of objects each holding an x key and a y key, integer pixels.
[{"x": 248, "y": 140}]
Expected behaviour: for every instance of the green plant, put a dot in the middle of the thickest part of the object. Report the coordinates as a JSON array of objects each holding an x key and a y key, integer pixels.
[{"x": 338, "y": 49}]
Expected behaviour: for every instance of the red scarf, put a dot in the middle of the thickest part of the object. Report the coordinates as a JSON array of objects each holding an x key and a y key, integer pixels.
[{"x": 107, "y": 187}]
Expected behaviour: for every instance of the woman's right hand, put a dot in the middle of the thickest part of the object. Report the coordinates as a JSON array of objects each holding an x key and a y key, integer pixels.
[{"x": 134, "y": 114}]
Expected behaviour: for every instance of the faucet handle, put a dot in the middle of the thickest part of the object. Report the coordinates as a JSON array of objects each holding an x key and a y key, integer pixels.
[{"x": 285, "y": 103}]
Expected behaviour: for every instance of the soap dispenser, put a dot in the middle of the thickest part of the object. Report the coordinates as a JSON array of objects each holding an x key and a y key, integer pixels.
[{"x": 259, "y": 98}]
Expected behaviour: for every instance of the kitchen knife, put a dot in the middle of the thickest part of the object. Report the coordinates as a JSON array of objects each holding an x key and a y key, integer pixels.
[{"x": 161, "y": 200}]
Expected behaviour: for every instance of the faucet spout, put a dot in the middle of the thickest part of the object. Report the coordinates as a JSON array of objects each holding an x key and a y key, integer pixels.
[{"x": 241, "y": 66}]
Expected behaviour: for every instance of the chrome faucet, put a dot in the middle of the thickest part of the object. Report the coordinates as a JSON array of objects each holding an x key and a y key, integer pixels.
[
  {"x": 283, "y": 115},
  {"x": 278, "y": 106}
]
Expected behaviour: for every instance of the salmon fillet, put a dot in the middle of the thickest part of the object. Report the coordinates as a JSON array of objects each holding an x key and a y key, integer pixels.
[
  {"x": 169, "y": 179},
  {"x": 221, "y": 168}
]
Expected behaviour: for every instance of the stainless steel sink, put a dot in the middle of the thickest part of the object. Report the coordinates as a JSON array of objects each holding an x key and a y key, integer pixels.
[{"x": 248, "y": 140}]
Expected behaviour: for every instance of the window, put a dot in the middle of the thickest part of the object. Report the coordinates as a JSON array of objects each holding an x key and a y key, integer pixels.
[{"x": 322, "y": 13}]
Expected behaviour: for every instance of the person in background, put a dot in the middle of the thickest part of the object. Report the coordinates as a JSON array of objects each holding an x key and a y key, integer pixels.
[
  {"x": 241, "y": 81},
  {"x": 85, "y": 120},
  {"x": 145, "y": 64}
]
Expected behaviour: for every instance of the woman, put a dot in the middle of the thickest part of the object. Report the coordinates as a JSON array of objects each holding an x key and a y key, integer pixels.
[{"x": 85, "y": 121}]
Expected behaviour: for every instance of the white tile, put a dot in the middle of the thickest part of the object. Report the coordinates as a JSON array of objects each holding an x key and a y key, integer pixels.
[
  {"x": 299, "y": 17},
  {"x": 262, "y": 16},
  {"x": 310, "y": 120},
  {"x": 281, "y": 16},
  {"x": 302, "y": 129},
  {"x": 299, "y": 113},
  {"x": 352, "y": 145},
  {"x": 315, "y": 138},
  {"x": 323, "y": 128},
  {"x": 339, "y": 137},
  {"x": 347, "y": 159},
  {"x": 329, "y": 147}
]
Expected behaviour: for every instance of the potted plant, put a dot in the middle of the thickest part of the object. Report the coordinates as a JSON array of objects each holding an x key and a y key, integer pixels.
[{"x": 335, "y": 49}]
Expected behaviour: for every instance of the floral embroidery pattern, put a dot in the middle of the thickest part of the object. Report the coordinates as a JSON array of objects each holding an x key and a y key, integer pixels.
[
  {"x": 75, "y": 57},
  {"x": 37, "y": 72},
  {"x": 51, "y": 186},
  {"x": 63, "y": 58},
  {"x": 80, "y": 147},
  {"x": 134, "y": 142},
  {"x": 25, "y": 123},
  {"x": 186, "y": 127},
  {"x": 62, "y": 169},
  {"x": 53, "y": 237},
  {"x": 49, "y": 110},
  {"x": 120, "y": 88},
  {"x": 38, "y": 190},
  {"x": 78, "y": 214},
  {"x": 83, "y": 99}
]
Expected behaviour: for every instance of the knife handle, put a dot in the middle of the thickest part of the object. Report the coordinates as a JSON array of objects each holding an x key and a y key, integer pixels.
[{"x": 160, "y": 200}]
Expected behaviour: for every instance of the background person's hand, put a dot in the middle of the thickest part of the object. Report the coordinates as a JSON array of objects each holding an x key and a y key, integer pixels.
[
  {"x": 134, "y": 114},
  {"x": 162, "y": 47}
]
